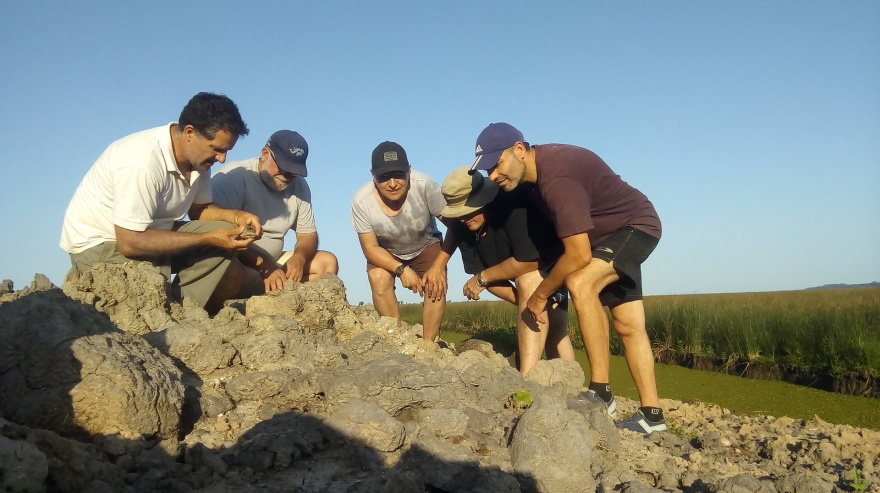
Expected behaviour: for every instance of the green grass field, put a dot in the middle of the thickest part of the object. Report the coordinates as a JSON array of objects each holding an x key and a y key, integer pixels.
[
  {"x": 741, "y": 395},
  {"x": 832, "y": 330}
]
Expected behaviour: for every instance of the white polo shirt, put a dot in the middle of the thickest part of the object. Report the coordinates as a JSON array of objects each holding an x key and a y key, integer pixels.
[{"x": 134, "y": 184}]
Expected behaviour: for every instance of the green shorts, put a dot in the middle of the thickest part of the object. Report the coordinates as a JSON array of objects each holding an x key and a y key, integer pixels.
[{"x": 198, "y": 270}]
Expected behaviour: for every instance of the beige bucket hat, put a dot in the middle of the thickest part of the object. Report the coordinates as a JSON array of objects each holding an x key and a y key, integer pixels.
[{"x": 466, "y": 193}]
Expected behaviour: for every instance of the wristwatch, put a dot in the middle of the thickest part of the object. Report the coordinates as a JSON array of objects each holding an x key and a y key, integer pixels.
[
  {"x": 399, "y": 270},
  {"x": 480, "y": 282}
]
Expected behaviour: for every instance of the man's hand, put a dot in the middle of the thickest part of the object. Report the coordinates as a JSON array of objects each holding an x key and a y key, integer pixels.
[
  {"x": 294, "y": 268},
  {"x": 410, "y": 280},
  {"x": 228, "y": 238},
  {"x": 244, "y": 218},
  {"x": 434, "y": 281},
  {"x": 537, "y": 306},
  {"x": 471, "y": 289},
  {"x": 274, "y": 280}
]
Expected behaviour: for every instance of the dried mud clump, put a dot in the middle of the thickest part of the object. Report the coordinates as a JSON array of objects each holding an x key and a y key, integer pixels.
[{"x": 109, "y": 385}]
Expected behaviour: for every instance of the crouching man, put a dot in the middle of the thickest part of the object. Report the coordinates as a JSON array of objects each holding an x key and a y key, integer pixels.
[{"x": 132, "y": 202}]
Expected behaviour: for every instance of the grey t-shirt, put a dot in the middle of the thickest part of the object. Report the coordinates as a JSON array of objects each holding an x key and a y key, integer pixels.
[
  {"x": 237, "y": 185},
  {"x": 406, "y": 234}
]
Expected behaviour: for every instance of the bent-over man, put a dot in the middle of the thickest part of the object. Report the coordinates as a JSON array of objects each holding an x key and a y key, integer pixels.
[
  {"x": 394, "y": 215},
  {"x": 608, "y": 229}
]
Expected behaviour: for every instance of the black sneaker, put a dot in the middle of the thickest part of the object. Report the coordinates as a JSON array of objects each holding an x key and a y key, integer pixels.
[
  {"x": 638, "y": 422},
  {"x": 591, "y": 396}
]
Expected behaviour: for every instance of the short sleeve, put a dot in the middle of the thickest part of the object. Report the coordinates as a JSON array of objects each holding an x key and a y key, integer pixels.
[
  {"x": 360, "y": 217},
  {"x": 305, "y": 219},
  {"x": 434, "y": 197},
  {"x": 202, "y": 189}
]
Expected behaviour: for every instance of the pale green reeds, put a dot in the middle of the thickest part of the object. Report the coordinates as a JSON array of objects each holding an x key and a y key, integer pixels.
[{"x": 835, "y": 330}]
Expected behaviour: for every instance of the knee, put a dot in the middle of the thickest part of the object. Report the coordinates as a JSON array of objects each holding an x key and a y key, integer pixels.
[
  {"x": 628, "y": 328},
  {"x": 528, "y": 282},
  {"x": 329, "y": 264},
  {"x": 380, "y": 280}
]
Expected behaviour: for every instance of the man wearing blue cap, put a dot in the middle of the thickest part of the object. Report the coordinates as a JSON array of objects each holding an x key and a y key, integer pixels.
[
  {"x": 273, "y": 187},
  {"x": 608, "y": 229}
]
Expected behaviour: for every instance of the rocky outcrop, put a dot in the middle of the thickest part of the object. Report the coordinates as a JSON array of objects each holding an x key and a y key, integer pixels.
[
  {"x": 111, "y": 386},
  {"x": 66, "y": 367}
]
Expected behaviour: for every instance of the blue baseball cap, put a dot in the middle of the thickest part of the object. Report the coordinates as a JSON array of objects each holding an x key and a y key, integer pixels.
[
  {"x": 492, "y": 142},
  {"x": 289, "y": 150}
]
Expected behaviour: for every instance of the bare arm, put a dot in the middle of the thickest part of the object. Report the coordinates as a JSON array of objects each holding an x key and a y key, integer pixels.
[
  {"x": 303, "y": 252},
  {"x": 213, "y": 212},
  {"x": 435, "y": 278},
  {"x": 158, "y": 242},
  {"x": 507, "y": 270},
  {"x": 578, "y": 255},
  {"x": 503, "y": 290}
]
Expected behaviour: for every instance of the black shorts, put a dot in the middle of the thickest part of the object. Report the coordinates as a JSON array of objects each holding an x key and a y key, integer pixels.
[{"x": 626, "y": 249}]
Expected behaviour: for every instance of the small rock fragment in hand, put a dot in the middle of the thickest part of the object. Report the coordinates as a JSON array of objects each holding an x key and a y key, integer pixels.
[{"x": 249, "y": 232}]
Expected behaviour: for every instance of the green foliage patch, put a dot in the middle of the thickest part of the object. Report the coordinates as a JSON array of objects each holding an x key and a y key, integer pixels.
[{"x": 835, "y": 330}]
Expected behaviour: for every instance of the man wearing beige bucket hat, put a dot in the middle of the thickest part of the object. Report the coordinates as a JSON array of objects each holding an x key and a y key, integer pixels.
[{"x": 503, "y": 238}]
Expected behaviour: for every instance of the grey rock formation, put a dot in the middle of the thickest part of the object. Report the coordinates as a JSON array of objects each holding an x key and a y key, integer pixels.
[
  {"x": 67, "y": 368},
  {"x": 114, "y": 387}
]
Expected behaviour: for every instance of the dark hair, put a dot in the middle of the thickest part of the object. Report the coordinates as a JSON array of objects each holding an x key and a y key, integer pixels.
[{"x": 208, "y": 112}]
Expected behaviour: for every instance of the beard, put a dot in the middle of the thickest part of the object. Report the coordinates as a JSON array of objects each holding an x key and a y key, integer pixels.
[{"x": 277, "y": 183}]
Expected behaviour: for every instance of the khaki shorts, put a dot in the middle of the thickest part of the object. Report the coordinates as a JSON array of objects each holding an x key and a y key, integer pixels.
[
  {"x": 421, "y": 262},
  {"x": 198, "y": 270}
]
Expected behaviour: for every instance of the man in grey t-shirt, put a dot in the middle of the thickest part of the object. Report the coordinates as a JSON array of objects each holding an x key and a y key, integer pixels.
[
  {"x": 273, "y": 187},
  {"x": 394, "y": 215}
]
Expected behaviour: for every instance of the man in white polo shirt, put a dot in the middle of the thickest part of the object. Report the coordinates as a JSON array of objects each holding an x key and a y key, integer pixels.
[
  {"x": 132, "y": 201},
  {"x": 273, "y": 186}
]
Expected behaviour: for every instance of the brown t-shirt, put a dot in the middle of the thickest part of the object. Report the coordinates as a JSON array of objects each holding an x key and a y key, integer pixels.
[{"x": 572, "y": 180}]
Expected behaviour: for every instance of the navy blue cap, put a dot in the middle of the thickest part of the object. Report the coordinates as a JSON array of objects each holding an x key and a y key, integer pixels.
[
  {"x": 290, "y": 150},
  {"x": 492, "y": 142}
]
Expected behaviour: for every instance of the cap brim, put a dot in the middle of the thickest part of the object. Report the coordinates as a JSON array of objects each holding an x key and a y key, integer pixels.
[
  {"x": 298, "y": 169},
  {"x": 485, "y": 161},
  {"x": 389, "y": 168}
]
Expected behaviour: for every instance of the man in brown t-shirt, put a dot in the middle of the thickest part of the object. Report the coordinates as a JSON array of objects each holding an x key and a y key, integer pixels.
[{"x": 608, "y": 229}]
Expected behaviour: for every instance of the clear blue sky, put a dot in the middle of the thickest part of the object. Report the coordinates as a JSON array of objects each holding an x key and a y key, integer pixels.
[{"x": 753, "y": 126}]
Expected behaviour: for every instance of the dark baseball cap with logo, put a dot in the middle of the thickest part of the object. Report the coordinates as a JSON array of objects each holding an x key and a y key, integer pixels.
[
  {"x": 289, "y": 150},
  {"x": 389, "y": 157},
  {"x": 493, "y": 140}
]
